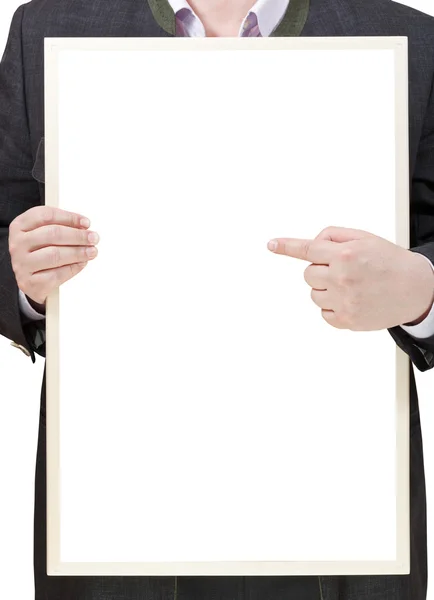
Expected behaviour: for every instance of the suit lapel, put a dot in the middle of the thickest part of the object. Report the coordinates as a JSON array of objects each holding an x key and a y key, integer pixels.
[
  {"x": 294, "y": 19},
  {"x": 164, "y": 15}
]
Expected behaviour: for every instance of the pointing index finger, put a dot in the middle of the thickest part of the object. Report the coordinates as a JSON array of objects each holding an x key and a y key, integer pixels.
[
  {"x": 315, "y": 251},
  {"x": 39, "y": 216}
]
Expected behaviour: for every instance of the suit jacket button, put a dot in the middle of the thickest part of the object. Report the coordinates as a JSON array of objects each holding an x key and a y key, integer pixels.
[{"x": 22, "y": 348}]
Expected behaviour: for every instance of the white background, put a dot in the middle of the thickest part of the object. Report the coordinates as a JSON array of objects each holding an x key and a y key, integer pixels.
[
  {"x": 211, "y": 250},
  {"x": 21, "y": 382}
]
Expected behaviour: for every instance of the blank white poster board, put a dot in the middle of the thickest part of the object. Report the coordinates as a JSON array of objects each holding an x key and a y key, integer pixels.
[{"x": 202, "y": 417}]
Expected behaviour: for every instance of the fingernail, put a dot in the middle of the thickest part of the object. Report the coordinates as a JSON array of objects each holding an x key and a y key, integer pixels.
[
  {"x": 93, "y": 238},
  {"x": 272, "y": 245},
  {"x": 91, "y": 252},
  {"x": 84, "y": 222}
]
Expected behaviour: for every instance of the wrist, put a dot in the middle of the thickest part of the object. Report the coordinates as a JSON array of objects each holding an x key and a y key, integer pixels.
[
  {"x": 425, "y": 281},
  {"x": 40, "y": 308},
  {"x": 421, "y": 318}
]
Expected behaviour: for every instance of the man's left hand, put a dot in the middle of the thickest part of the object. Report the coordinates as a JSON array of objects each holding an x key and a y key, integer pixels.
[{"x": 361, "y": 281}]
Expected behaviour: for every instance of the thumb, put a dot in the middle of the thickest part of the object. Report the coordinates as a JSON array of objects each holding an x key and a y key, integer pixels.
[{"x": 342, "y": 234}]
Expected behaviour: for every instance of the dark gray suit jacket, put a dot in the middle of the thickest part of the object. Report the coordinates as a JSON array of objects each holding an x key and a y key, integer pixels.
[{"x": 22, "y": 186}]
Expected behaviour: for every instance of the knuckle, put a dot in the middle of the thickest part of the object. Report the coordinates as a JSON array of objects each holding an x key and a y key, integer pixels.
[
  {"x": 47, "y": 215},
  {"x": 13, "y": 242},
  {"x": 346, "y": 317},
  {"x": 53, "y": 233},
  {"x": 75, "y": 220},
  {"x": 306, "y": 247},
  {"x": 327, "y": 230},
  {"x": 54, "y": 256},
  {"x": 13, "y": 227},
  {"x": 351, "y": 309},
  {"x": 325, "y": 233},
  {"x": 13, "y": 247},
  {"x": 337, "y": 322},
  {"x": 22, "y": 282},
  {"x": 18, "y": 267},
  {"x": 344, "y": 279},
  {"x": 347, "y": 254}
]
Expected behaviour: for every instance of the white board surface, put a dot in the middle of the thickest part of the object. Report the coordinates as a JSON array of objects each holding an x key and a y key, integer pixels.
[{"x": 202, "y": 417}]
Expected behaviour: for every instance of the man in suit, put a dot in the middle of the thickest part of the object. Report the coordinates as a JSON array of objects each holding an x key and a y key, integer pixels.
[{"x": 390, "y": 287}]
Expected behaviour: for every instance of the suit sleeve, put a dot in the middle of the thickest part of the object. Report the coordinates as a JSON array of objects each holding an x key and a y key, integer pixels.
[
  {"x": 19, "y": 191},
  {"x": 421, "y": 350}
]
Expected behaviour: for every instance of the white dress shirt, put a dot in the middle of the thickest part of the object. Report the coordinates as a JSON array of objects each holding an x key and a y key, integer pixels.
[{"x": 269, "y": 14}]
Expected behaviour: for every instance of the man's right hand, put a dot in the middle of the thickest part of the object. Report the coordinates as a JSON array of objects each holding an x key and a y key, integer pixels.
[{"x": 49, "y": 246}]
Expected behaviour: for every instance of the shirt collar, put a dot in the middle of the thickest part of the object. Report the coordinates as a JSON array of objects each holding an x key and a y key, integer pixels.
[{"x": 268, "y": 12}]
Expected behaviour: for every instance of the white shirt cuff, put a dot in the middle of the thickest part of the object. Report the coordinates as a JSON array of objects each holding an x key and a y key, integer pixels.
[
  {"x": 425, "y": 329},
  {"x": 27, "y": 309}
]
